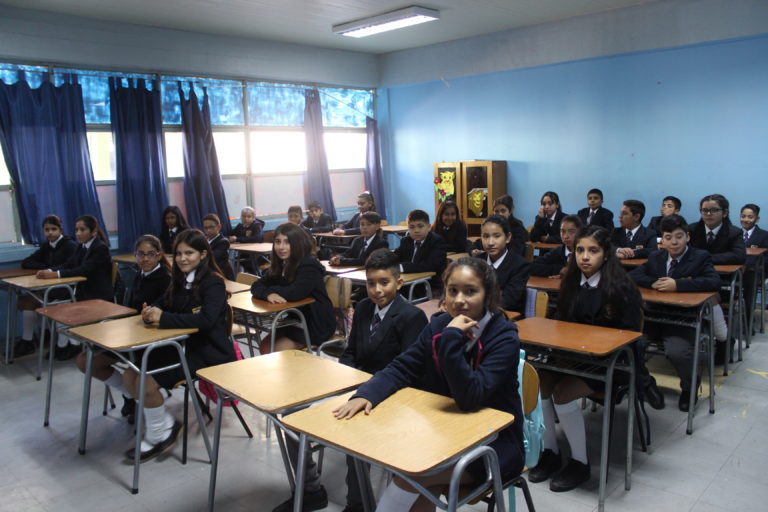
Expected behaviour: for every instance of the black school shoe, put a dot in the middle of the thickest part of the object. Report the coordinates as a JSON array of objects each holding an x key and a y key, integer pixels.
[
  {"x": 549, "y": 464},
  {"x": 571, "y": 476},
  {"x": 685, "y": 399},
  {"x": 24, "y": 348},
  {"x": 68, "y": 352},
  {"x": 159, "y": 448},
  {"x": 316, "y": 500},
  {"x": 653, "y": 395},
  {"x": 129, "y": 409}
]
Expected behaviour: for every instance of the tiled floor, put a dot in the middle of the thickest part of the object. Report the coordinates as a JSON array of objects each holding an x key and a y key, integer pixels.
[{"x": 720, "y": 468}]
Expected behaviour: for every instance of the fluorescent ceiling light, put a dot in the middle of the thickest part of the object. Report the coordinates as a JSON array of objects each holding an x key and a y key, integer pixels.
[{"x": 389, "y": 21}]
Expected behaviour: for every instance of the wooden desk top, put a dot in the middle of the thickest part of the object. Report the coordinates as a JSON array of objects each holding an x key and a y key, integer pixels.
[
  {"x": 16, "y": 272},
  {"x": 751, "y": 251},
  {"x": 280, "y": 380},
  {"x": 574, "y": 337},
  {"x": 33, "y": 283},
  {"x": 259, "y": 248},
  {"x": 512, "y": 315},
  {"x": 543, "y": 245},
  {"x": 680, "y": 299},
  {"x": 360, "y": 277},
  {"x": 126, "y": 333},
  {"x": 728, "y": 269},
  {"x": 547, "y": 284},
  {"x": 394, "y": 229},
  {"x": 412, "y": 431},
  {"x": 338, "y": 269},
  {"x": 85, "y": 312},
  {"x": 130, "y": 259},
  {"x": 245, "y": 302},
  {"x": 330, "y": 233},
  {"x": 454, "y": 256},
  {"x": 633, "y": 262},
  {"x": 234, "y": 287}
]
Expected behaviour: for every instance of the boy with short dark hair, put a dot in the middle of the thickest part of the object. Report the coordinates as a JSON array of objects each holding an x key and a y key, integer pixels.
[
  {"x": 219, "y": 244},
  {"x": 594, "y": 214},
  {"x": 317, "y": 221},
  {"x": 421, "y": 250},
  {"x": 364, "y": 245},
  {"x": 295, "y": 213},
  {"x": 669, "y": 205},
  {"x": 631, "y": 239}
]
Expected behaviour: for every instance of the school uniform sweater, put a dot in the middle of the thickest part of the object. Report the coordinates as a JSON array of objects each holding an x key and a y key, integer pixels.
[
  {"x": 758, "y": 239},
  {"x": 602, "y": 217},
  {"x": 95, "y": 264},
  {"x": 47, "y": 256},
  {"x": 512, "y": 276},
  {"x": 322, "y": 225},
  {"x": 220, "y": 250},
  {"x": 357, "y": 254},
  {"x": 486, "y": 376},
  {"x": 726, "y": 249},
  {"x": 430, "y": 257},
  {"x": 694, "y": 271}
]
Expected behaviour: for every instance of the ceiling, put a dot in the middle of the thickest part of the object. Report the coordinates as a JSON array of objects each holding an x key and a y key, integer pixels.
[{"x": 309, "y": 21}]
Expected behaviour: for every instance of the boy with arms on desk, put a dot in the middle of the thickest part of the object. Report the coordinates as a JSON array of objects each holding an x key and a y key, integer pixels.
[
  {"x": 631, "y": 239},
  {"x": 422, "y": 250},
  {"x": 677, "y": 268}
]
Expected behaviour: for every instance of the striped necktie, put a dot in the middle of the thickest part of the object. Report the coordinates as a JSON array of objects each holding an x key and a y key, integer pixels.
[
  {"x": 710, "y": 237},
  {"x": 375, "y": 324},
  {"x": 672, "y": 265}
]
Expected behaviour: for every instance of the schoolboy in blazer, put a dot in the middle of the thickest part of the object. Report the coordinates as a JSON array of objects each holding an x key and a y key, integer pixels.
[
  {"x": 595, "y": 214},
  {"x": 669, "y": 205},
  {"x": 317, "y": 221},
  {"x": 727, "y": 244},
  {"x": 219, "y": 244},
  {"x": 421, "y": 250},
  {"x": 632, "y": 240},
  {"x": 364, "y": 245}
]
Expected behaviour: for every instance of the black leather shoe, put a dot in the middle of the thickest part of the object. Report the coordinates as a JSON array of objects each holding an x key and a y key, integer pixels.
[
  {"x": 549, "y": 464},
  {"x": 24, "y": 348},
  {"x": 68, "y": 352},
  {"x": 353, "y": 508},
  {"x": 653, "y": 395},
  {"x": 685, "y": 398},
  {"x": 159, "y": 448},
  {"x": 720, "y": 353},
  {"x": 571, "y": 476},
  {"x": 317, "y": 500},
  {"x": 129, "y": 409}
]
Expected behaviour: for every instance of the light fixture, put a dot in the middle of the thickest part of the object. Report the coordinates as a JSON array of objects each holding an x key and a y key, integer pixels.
[{"x": 400, "y": 18}]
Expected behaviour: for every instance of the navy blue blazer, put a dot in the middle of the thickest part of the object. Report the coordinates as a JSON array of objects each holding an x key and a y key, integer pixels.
[
  {"x": 308, "y": 283},
  {"x": 518, "y": 243},
  {"x": 220, "y": 250},
  {"x": 541, "y": 228},
  {"x": 550, "y": 263},
  {"x": 253, "y": 234},
  {"x": 512, "y": 276},
  {"x": 321, "y": 225},
  {"x": 644, "y": 241},
  {"x": 95, "y": 264},
  {"x": 727, "y": 248},
  {"x": 148, "y": 289},
  {"x": 355, "y": 254},
  {"x": 693, "y": 273},
  {"x": 455, "y": 237},
  {"x": 431, "y": 257},
  {"x": 352, "y": 226},
  {"x": 655, "y": 223},
  {"x": 603, "y": 218},
  {"x": 758, "y": 239},
  {"x": 47, "y": 256},
  {"x": 399, "y": 328},
  {"x": 167, "y": 238},
  {"x": 486, "y": 376}
]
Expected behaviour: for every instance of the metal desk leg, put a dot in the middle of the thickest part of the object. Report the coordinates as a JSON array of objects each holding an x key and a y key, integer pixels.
[
  {"x": 283, "y": 452},
  {"x": 43, "y": 328},
  {"x": 298, "y": 494},
  {"x": 215, "y": 454},
  {"x": 606, "y": 426},
  {"x": 86, "y": 397},
  {"x": 630, "y": 417},
  {"x": 49, "y": 385},
  {"x": 10, "y": 327},
  {"x": 364, "y": 482},
  {"x": 708, "y": 307}
]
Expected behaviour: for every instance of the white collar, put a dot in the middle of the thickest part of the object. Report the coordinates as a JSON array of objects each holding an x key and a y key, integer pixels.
[
  {"x": 55, "y": 242},
  {"x": 593, "y": 281},
  {"x": 368, "y": 240},
  {"x": 88, "y": 244},
  {"x": 567, "y": 251},
  {"x": 144, "y": 274},
  {"x": 173, "y": 230},
  {"x": 670, "y": 258},
  {"x": 633, "y": 231},
  {"x": 593, "y": 211},
  {"x": 552, "y": 218},
  {"x": 214, "y": 238},
  {"x": 715, "y": 231},
  {"x": 477, "y": 331},
  {"x": 189, "y": 279},
  {"x": 383, "y": 311},
  {"x": 748, "y": 232},
  {"x": 496, "y": 264}
]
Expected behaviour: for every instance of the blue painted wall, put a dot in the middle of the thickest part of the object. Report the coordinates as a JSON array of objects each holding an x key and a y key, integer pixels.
[{"x": 685, "y": 121}]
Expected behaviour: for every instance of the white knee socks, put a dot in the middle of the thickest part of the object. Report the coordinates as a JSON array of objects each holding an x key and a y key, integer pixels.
[
  {"x": 718, "y": 322},
  {"x": 159, "y": 423},
  {"x": 572, "y": 423},
  {"x": 550, "y": 436},
  {"x": 28, "y": 320},
  {"x": 395, "y": 499}
]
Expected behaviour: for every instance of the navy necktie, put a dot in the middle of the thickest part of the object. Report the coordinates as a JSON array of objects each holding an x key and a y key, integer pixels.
[
  {"x": 591, "y": 216},
  {"x": 375, "y": 323},
  {"x": 746, "y": 236},
  {"x": 629, "y": 237},
  {"x": 710, "y": 237},
  {"x": 672, "y": 265},
  {"x": 416, "y": 247},
  {"x": 586, "y": 285}
]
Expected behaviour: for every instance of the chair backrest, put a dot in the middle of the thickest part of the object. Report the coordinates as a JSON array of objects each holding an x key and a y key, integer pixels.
[
  {"x": 542, "y": 304},
  {"x": 402, "y": 223},
  {"x": 339, "y": 291},
  {"x": 530, "y": 386},
  {"x": 530, "y": 228},
  {"x": 115, "y": 268},
  {"x": 246, "y": 278},
  {"x": 269, "y": 237},
  {"x": 529, "y": 252},
  {"x": 230, "y": 316}
]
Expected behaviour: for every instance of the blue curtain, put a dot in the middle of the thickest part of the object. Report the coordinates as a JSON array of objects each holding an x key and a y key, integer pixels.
[
  {"x": 137, "y": 129},
  {"x": 203, "y": 190},
  {"x": 318, "y": 179},
  {"x": 373, "y": 180},
  {"x": 42, "y": 132}
]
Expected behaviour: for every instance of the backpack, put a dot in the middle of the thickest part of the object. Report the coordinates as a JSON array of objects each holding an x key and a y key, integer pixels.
[{"x": 533, "y": 423}]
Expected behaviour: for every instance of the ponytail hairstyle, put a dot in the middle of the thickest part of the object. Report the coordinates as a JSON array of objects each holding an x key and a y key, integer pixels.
[
  {"x": 449, "y": 234},
  {"x": 487, "y": 276},
  {"x": 93, "y": 225},
  {"x": 367, "y": 196},
  {"x": 197, "y": 241},
  {"x": 615, "y": 286},
  {"x": 53, "y": 220},
  {"x": 301, "y": 243},
  {"x": 156, "y": 245}
]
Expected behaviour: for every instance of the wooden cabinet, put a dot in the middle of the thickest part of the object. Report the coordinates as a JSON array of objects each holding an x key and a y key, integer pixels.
[{"x": 447, "y": 178}]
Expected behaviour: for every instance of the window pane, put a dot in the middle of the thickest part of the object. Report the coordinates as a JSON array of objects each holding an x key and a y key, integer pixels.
[
  {"x": 10, "y": 74},
  {"x": 345, "y": 150},
  {"x": 225, "y": 98},
  {"x": 8, "y": 226},
  {"x": 174, "y": 155},
  {"x": 5, "y": 177},
  {"x": 277, "y": 152},
  {"x": 230, "y": 148},
  {"x": 102, "y": 150},
  {"x": 346, "y": 107},
  {"x": 275, "y": 104}
]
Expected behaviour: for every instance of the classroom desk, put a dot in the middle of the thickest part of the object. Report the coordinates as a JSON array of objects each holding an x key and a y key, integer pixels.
[
  {"x": 586, "y": 351},
  {"x": 358, "y": 277},
  {"x": 455, "y": 256},
  {"x": 331, "y": 269},
  {"x": 737, "y": 315},
  {"x": 693, "y": 308},
  {"x": 126, "y": 336},
  {"x": 33, "y": 286},
  {"x": 400, "y": 435},
  {"x": 633, "y": 262},
  {"x": 253, "y": 250},
  {"x": 759, "y": 283},
  {"x": 543, "y": 246},
  {"x": 545, "y": 284},
  {"x": 266, "y": 317},
  {"x": 68, "y": 315},
  {"x": 400, "y": 231},
  {"x": 234, "y": 287},
  {"x": 274, "y": 384},
  {"x": 13, "y": 272},
  {"x": 130, "y": 259},
  {"x": 322, "y": 240}
]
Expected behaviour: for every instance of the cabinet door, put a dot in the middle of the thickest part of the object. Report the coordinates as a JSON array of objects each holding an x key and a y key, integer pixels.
[
  {"x": 475, "y": 179},
  {"x": 447, "y": 183}
]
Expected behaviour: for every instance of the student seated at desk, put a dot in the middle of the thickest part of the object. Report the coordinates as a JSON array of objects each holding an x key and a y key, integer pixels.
[
  {"x": 754, "y": 238},
  {"x": 363, "y": 246},
  {"x": 172, "y": 224},
  {"x": 296, "y": 274},
  {"x": 421, "y": 250},
  {"x": 546, "y": 226},
  {"x": 448, "y": 224},
  {"x": 149, "y": 285},
  {"x": 469, "y": 353},
  {"x": 512, "y": 270},
  {"x": 53, "y": 252},
  {"x": 383, "y": 326},
  {"x": 219, "y": 244},
  {"x": 595, "y": 291},
  {"x": 631, "y": 239},
  {"x": 92, "y": 261},
  {"x": 250, "y": 229},
  {"x": 553, "y": 263},
  {"x": 295, "y": 214},
  {"x": 197, "y": 298},
  {"x": 317, "y": 221},
  {"x": 669, "y": 205},
  {"x": 594, "y": 214},
  {"x": 365, "y": 203},
  {"x": 505, "y": 206},
  {"x": 677, "y": 267}
]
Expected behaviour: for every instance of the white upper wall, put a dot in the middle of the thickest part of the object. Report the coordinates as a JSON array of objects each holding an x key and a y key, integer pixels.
[
  {"x": 33, "y": 36},
  {"x": 666, "y": 23}
]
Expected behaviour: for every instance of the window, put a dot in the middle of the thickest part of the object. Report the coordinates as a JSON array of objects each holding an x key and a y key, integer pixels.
[
  {"x": 102, "y": 150},
  {"x": 5, "y": 176},
  {"x": 346, "y": 107},
  {"x": 225, "y": 98},
  {"x": 12, "y": 73},
  {"x": 275, "y": 104},
  {"x": 278, "y": 152},
  {"x": 345, "y": 150},
  {"x": 230, "y": 149},
  {"x": 174, "y": 155}
]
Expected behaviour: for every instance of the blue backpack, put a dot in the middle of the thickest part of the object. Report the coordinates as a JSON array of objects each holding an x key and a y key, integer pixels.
[{"x": 533, "y": 423}]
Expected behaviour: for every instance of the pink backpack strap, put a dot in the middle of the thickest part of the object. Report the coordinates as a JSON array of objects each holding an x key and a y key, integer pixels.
[{"x": 434, "y": 351}]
